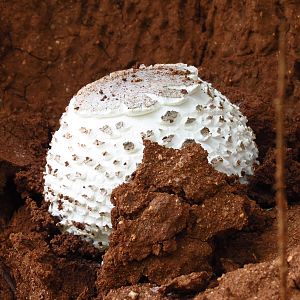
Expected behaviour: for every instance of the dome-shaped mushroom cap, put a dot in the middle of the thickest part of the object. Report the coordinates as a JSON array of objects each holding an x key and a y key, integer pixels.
[{"x": 100, "y": 141}]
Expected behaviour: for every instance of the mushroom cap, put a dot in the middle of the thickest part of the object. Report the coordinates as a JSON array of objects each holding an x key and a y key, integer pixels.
[{"x": 100, "y": 140}]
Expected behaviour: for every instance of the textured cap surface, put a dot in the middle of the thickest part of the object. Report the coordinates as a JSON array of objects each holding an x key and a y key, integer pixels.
[
  {"x": 136, "y": 91},
  {"x": 100, "y": 141}
]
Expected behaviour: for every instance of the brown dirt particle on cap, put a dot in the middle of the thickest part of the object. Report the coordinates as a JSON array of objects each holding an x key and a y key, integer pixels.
[
  {"x": 128, "y": 146},
  {"x": 170, "y": 116}
]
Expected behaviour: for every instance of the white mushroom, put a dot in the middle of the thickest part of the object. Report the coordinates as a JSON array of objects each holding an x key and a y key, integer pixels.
[{"x": 100, "y": 141}]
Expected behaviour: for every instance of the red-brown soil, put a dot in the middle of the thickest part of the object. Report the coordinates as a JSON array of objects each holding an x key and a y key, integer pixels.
[
  {"x": 166, "y": 219},
  {"x": 49, "y": 49}
]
